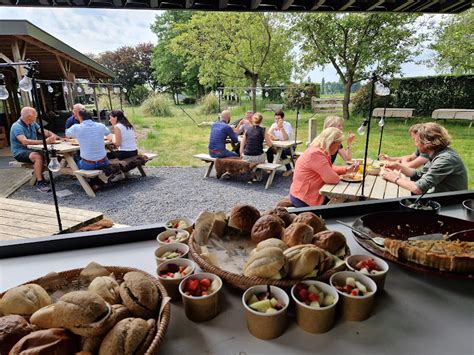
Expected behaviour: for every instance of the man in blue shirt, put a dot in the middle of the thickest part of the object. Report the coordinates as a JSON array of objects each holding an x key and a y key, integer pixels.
[
  {"x": 74, "y": 119},
  {"x": 91, "y": 136},
  {"x": 220, "y": 130},
  {"x": 24, "y": 132}
]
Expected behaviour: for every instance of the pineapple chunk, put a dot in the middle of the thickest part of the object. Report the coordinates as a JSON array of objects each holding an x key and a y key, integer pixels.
[
  {"x": 315, "y": 304},
  {"x": 313, "y": 289},
  {"x": 271, "y": 310},
  {"x": 328, "y": 300},
  {"x": 351, "y": 281}
]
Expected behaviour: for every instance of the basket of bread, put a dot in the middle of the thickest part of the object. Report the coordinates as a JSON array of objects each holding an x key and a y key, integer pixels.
[
  {"x": 95, "y": 310},
  {"x": 247, "y": 248}
]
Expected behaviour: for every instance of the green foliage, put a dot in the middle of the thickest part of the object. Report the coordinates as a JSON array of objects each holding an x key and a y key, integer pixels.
[
  {"x": 454, "y": 44},
  {"x": 426, "y": 94},
  {"x": 210, "y": 104},
  {"x": 360, "y": 101},
  {"x": 293, "y": 97},
  {"x": 138, "y": 94},
  {"x": 157, "y": 105}
]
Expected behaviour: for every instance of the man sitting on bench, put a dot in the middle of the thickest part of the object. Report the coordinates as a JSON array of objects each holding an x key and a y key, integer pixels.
[
  {"x": 24, "y": 132},
  {"x": 220, "y": 130}
]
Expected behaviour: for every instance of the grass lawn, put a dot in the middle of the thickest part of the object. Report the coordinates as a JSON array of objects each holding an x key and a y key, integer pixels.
[{"x": 177, "y": 138}]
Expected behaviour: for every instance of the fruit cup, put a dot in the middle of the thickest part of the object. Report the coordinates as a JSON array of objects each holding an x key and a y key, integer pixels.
[
  {"x": 201, "y": 308},
  {"x": 180, "y": 223},
  {"x": 172, "y": 284},
  {"x": 311, "y": 319},
  {"x": 266, "y": 325},
  {"x": 354, "y": 263},
  {"x": 180, "y": 235},
  {"x": 181, "y": 250},
  {"x": 354, "y": 308}
]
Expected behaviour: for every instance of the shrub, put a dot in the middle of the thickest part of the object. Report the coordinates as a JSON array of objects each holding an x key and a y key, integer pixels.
[
  {"x": 360, "y": 101},
  {"x": 210, "y": 104},
  {"x": 157, "y": 105},
  {"x": 293, "y": 97},
  {"x": 138, "y": 94},
  {"x": 189, "y": 100}
]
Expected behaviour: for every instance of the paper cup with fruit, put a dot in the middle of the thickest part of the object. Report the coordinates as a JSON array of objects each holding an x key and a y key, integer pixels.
[
  {"x": 173, "y": 236},
  {"x": 315, "y": 305},
  {"x": 171, "y": 251},
  {"x": 172, "y": 272},
  {"x": 180, "y": 223},
  {"x": 370, "y": 266},
  {"x": 356, "y": 292},
  {"x": 200, "y": 295},
  {"x": 265, "y": 312}
]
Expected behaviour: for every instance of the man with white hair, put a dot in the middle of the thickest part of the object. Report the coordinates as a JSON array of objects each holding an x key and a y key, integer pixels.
[
  {"x": 24, "y": 132},
  {"x": 220, "y": 130},
  {"x": 74, "y": 119}
]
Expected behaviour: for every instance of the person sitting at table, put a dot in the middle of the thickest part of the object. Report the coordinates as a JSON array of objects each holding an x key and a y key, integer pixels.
[
  {"x": 90, "y": 136},
  {"x": 413, "y": 160},
  {"x": 123, "y": 137},
  {"x": 74, "y": 118},
  {"x": 220, "y": 130},
  {"x": 245, "y": 123},
  {"x": 314, "y": 169},
  {"x": 251, "y": 148},
  {"x": 445, "y": 170},
  {"x": 25, "y": 132},
  {"x": 280, "y": 130},
  {"x": 338, "y": 122}
]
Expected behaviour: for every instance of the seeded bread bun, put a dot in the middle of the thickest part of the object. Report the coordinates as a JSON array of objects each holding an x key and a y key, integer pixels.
[
  {"x": 309, "y": 218},
  {"x": 265, "y": 263},
  {"x": 243, "y": 217},
  {"x": 282, "y": 213},
  {"x": 54, "y": 341},
  {"x": 140, "y": 295},
  {"x": 25, "y": 300},
  {"x": 332, "y": 241},
  {"x": 107, "y": 288},
  {"x": 267, "y": 227},
  {"x": 297, "y": 233},
  {"x": 12, "y": 329}
]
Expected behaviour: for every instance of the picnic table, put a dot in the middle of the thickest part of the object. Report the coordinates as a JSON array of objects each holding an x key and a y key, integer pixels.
[{"x": 375, "y": 188}]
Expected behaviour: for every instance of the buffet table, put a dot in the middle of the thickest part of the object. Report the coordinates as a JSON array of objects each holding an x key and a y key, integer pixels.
[{"x": 417, "y": 314}]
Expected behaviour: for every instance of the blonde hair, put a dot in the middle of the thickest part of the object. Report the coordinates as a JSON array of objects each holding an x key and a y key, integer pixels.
[
  {"x": 433, "y": 136},
  {"x": 327, "y": 137},
  {"x": 414, "y": 129},
  {"x": 333, "y": 121},
  {"x": 257, "y": 118}
]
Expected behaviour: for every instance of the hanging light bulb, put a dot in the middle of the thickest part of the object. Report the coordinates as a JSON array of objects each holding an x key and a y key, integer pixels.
[
  {"x": 302, "y": 93},
  {"x": 38, "y": 85},
  {"x": 124, "y": 90},
  {"x": 116, "y": 90},
  {"x": 50, "y": 89},
  {"x": 381, "y": 122},
  {"x": 282, "y": 94},
  {"x": 66, "y": 89},
  {"x": 26, "y": 84},
  {"x": 267, "y": 94},
  {"x": 361, "y": 129},
  {"x": 53, "y": 161},
  {"x": 79, "y": 89},
  {"x": 3, "y": 88}
]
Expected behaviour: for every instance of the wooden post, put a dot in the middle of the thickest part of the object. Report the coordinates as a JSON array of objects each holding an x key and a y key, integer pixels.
[
  {"x": 110, "y": 97},
  {"x": 312, "y": 130}
]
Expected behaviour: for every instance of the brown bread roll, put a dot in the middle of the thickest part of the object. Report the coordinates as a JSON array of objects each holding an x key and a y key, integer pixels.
[
  {"x": 303, "y": 259},
  {"x": 265, "y": 263},
  {"x": 25, "y": 300},
  {"x": 309, "y": 218},
  {"x": 140, "y": 295},
  {"x": 91, "y": 271},
  {"x": 297, "y": 233},
  {"x": 12, "y": 329},
  {"x": 243, "y": 217},
  {"x": 282, "y": 213},
  {"x": 332, "y": 241},
  {"x": 54, "y": 341},
  {"x": 107, "y": 288},
  {"x": 267, "y": 227}
]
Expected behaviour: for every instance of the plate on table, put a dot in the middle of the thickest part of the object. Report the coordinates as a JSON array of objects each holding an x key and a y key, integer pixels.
[
  {"x": 360, "y": 161},
  {"x": 74, "y": 142},
  {"x": 354, "y": 177},
  {"x": 401, "y": 225}
]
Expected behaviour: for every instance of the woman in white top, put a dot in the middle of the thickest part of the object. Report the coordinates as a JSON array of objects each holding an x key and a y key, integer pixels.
[{"x": 124, "y": 136}]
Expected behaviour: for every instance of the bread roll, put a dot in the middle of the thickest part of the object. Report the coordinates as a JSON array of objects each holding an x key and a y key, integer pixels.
[
  {"x": 12, "y": 329},
  {"x": 24, "y": 300},
  {"x": 297, "y": 233},
  {"x": 91, "y": 271},
  {"x": 265, "y": 263},
  {"x": 203, "y": 227},
  {"x": 309, "y": 218},
  {"x": 72, "y": 310},
  {"x": 267, "y": 227},
  {"x": 129, "y": 336},
  {"x": 282, "y": 213},
  {"x": 243, "y": 217},
  {"x": 107, "y": 288},
  {"x": 140, "y": 295},
  {"x": 303, "y": 259},
  {"x": 272, "y": 242},
  {"x": 54, "y": 341},
  {"x": 332, "y": 241}
]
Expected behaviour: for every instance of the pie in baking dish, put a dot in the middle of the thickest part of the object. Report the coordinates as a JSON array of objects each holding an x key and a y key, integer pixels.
[{"x": 444, "y": 255}]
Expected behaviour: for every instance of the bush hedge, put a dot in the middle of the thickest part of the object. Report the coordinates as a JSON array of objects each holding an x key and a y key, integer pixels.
[
  {"x": 360, "y": 101},
  {"x": 210, "y": 104},
  {"x": 157, "y": 105},
  {"x": 293, "y": 97}
]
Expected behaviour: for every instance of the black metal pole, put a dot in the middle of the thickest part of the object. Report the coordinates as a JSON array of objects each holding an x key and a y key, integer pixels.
[
  {"x": 121, "y": 101},
  {"x": 297, "y": 119},
  {"x": 383, "y": 117},
  {"x": 219, "y": 95},
  {"x": 369, "y": 115}
]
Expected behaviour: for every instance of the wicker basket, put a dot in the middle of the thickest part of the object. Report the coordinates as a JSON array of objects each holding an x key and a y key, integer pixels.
[
  {"x": 243, "y": 282},
  {"x": 72, "y": 277}
]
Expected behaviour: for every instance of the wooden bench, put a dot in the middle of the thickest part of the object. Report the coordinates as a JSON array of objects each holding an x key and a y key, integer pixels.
[
  {"x": 326, "y": 105},
  {"x": 19, "y": 164},
  {"x": 273, "y": 107},
  {"x": 453, "y": 114},
  {"x": 268, "y": 167},
  {"x": 404, "y": 113}
]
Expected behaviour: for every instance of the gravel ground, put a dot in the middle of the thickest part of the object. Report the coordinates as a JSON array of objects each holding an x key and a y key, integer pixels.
[{"x": 166, "y": 193}]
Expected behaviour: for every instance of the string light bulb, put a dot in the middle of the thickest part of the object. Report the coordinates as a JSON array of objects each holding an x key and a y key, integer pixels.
[
  {"x": 50, "y": 89},
  {"x": 361, "y": 129},
  {"x": 79, "y": 89},
  {"x": 66, "y": 89},
  {"x": 3, "y": 88},
  {"x": 381, "y": 122},
  {"x": 53, "y": 165},
  {"x": 26, "y": 84}
]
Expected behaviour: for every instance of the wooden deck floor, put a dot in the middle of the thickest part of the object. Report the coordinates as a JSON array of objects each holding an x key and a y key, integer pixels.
[{"x": 23, "y": 220}]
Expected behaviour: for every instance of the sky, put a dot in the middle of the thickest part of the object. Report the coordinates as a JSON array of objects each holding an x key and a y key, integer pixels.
[{"x": 99, "y": 30}]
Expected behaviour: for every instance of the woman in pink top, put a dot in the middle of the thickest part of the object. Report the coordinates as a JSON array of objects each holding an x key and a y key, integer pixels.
[{"x": 314, "y": 169}]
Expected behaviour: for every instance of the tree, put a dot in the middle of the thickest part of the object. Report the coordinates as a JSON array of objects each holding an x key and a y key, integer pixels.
[
  {"x": 236, "y": 49},
  {"x": 355, "y": 44},
  {"x": 132, "y": 65},
  {"x": 454, "y": 44}
]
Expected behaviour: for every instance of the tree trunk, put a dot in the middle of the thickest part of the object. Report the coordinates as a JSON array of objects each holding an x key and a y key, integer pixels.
[
  {"x": 347, "y": 97},
  {"x": 254, "y": 93}
]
